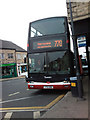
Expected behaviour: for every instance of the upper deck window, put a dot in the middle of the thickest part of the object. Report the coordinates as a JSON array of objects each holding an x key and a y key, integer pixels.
[{"x": 48, "y": 26}]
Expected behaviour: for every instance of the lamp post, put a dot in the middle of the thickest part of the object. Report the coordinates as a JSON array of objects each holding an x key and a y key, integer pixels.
[{"x": 79, "y": 82}]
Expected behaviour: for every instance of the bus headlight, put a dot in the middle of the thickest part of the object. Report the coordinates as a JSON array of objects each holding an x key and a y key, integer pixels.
[
  {"x": 65, "y": 81},
  {"x": 31, "y": 86}
]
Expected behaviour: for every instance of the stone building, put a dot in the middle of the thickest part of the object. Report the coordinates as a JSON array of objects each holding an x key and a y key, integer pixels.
[
  {"x": 12, "y": 59},
  {"x": 81, "y": 20},
  {"x": 80, "y": 10}
]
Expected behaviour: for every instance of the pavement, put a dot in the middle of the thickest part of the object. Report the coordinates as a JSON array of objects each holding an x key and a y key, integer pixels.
[
  {"x": 5, "y": 79},
  {"x": 70, "y": 107}
]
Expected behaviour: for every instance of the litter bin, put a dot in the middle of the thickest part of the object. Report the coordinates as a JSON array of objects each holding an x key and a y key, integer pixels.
[{"x": 74, "y": 87}]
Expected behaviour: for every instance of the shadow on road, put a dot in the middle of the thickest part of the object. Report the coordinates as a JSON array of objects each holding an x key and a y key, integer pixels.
[{"x": 50, "y": 92}]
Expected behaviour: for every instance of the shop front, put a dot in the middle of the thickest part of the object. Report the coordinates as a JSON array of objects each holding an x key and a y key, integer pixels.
[
  {"x": 8, "y": 70},
  {"x": 22, "y": 69}
]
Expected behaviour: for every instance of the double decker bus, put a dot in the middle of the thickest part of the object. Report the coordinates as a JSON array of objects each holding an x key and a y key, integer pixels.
[{"x": 50, "y": 60}]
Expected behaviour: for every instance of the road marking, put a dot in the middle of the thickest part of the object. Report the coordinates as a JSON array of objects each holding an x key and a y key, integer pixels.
[
  {"x": 54, "y": 101},
  {"x": 31, "y": 110},
  {"x": 36, "y": 107},
  {"x": 20, "y": 108},
  {"x": 36, "y": 114},
  {"x": 18, "y": 99},
  {"x": 8, "y": 115},
  {"x": 14, "y": 94}
]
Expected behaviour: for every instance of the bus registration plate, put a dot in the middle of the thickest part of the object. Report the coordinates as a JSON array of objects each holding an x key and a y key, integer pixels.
[{"x": 47, "y": 87}]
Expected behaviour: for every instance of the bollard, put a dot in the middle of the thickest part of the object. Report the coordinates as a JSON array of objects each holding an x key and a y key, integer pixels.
[{"x": 74, "y": 87}]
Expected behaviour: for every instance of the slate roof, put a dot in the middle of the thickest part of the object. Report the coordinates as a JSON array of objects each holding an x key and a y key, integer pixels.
[{"x": 10, "y": 45}]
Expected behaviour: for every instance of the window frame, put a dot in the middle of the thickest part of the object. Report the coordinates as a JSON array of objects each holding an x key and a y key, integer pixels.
[
  {"x": 2, "y": 55},
  {"x": 10, "y": 56}
]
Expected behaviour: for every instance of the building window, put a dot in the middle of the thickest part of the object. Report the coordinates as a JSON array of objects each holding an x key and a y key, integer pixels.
[
  {"x": 2, "y": 55},
  {"x": 10, "y": 55},
  {"x": 18, "y": 56}
]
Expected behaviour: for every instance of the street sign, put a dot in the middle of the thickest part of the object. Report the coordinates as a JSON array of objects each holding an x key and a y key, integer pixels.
[{"x": 81, "y": 40}]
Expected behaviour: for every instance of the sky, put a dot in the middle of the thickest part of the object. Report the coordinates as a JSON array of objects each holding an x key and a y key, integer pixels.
[{"x": 15, "y": 16}]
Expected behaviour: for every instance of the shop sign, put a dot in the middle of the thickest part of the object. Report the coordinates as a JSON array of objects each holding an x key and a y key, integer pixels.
[{"x": 10, "y": 64}]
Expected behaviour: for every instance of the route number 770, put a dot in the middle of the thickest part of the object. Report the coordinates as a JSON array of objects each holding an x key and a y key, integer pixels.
[{"x": 58, "y": 43}]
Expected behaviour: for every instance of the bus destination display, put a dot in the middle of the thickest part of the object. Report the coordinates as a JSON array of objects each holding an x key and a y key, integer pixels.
[{"x": 47, "y": 44}]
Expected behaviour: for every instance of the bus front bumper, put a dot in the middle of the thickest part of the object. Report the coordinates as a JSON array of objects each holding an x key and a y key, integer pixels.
[{"x": 57, "y": 85}]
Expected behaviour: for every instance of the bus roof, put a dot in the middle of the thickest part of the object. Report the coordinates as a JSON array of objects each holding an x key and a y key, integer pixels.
[{"x": 48, "y": 18}]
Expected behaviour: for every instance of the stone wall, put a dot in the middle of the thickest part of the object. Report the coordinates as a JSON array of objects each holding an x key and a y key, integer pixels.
[
  {"x": 15, "y": 59},
  {"x": 20, "y": 57},
  {"x": 80, "y": 10},
  {"x": 7, "y": 60}
]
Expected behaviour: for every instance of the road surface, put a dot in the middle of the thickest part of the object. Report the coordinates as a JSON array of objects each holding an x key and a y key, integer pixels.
[{"x": 18, "y": 101}]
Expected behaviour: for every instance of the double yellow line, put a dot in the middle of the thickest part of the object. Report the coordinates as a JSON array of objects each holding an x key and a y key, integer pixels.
[{"x": 36, "y": 107}]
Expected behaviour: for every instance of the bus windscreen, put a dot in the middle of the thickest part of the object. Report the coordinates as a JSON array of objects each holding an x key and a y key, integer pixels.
[
  {"x": 51, "y": 62},
  {"x": 48, "y": 27}
]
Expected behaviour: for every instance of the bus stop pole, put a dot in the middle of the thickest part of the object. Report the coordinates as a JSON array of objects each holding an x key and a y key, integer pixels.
[{"x": 79, "y": 82}]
